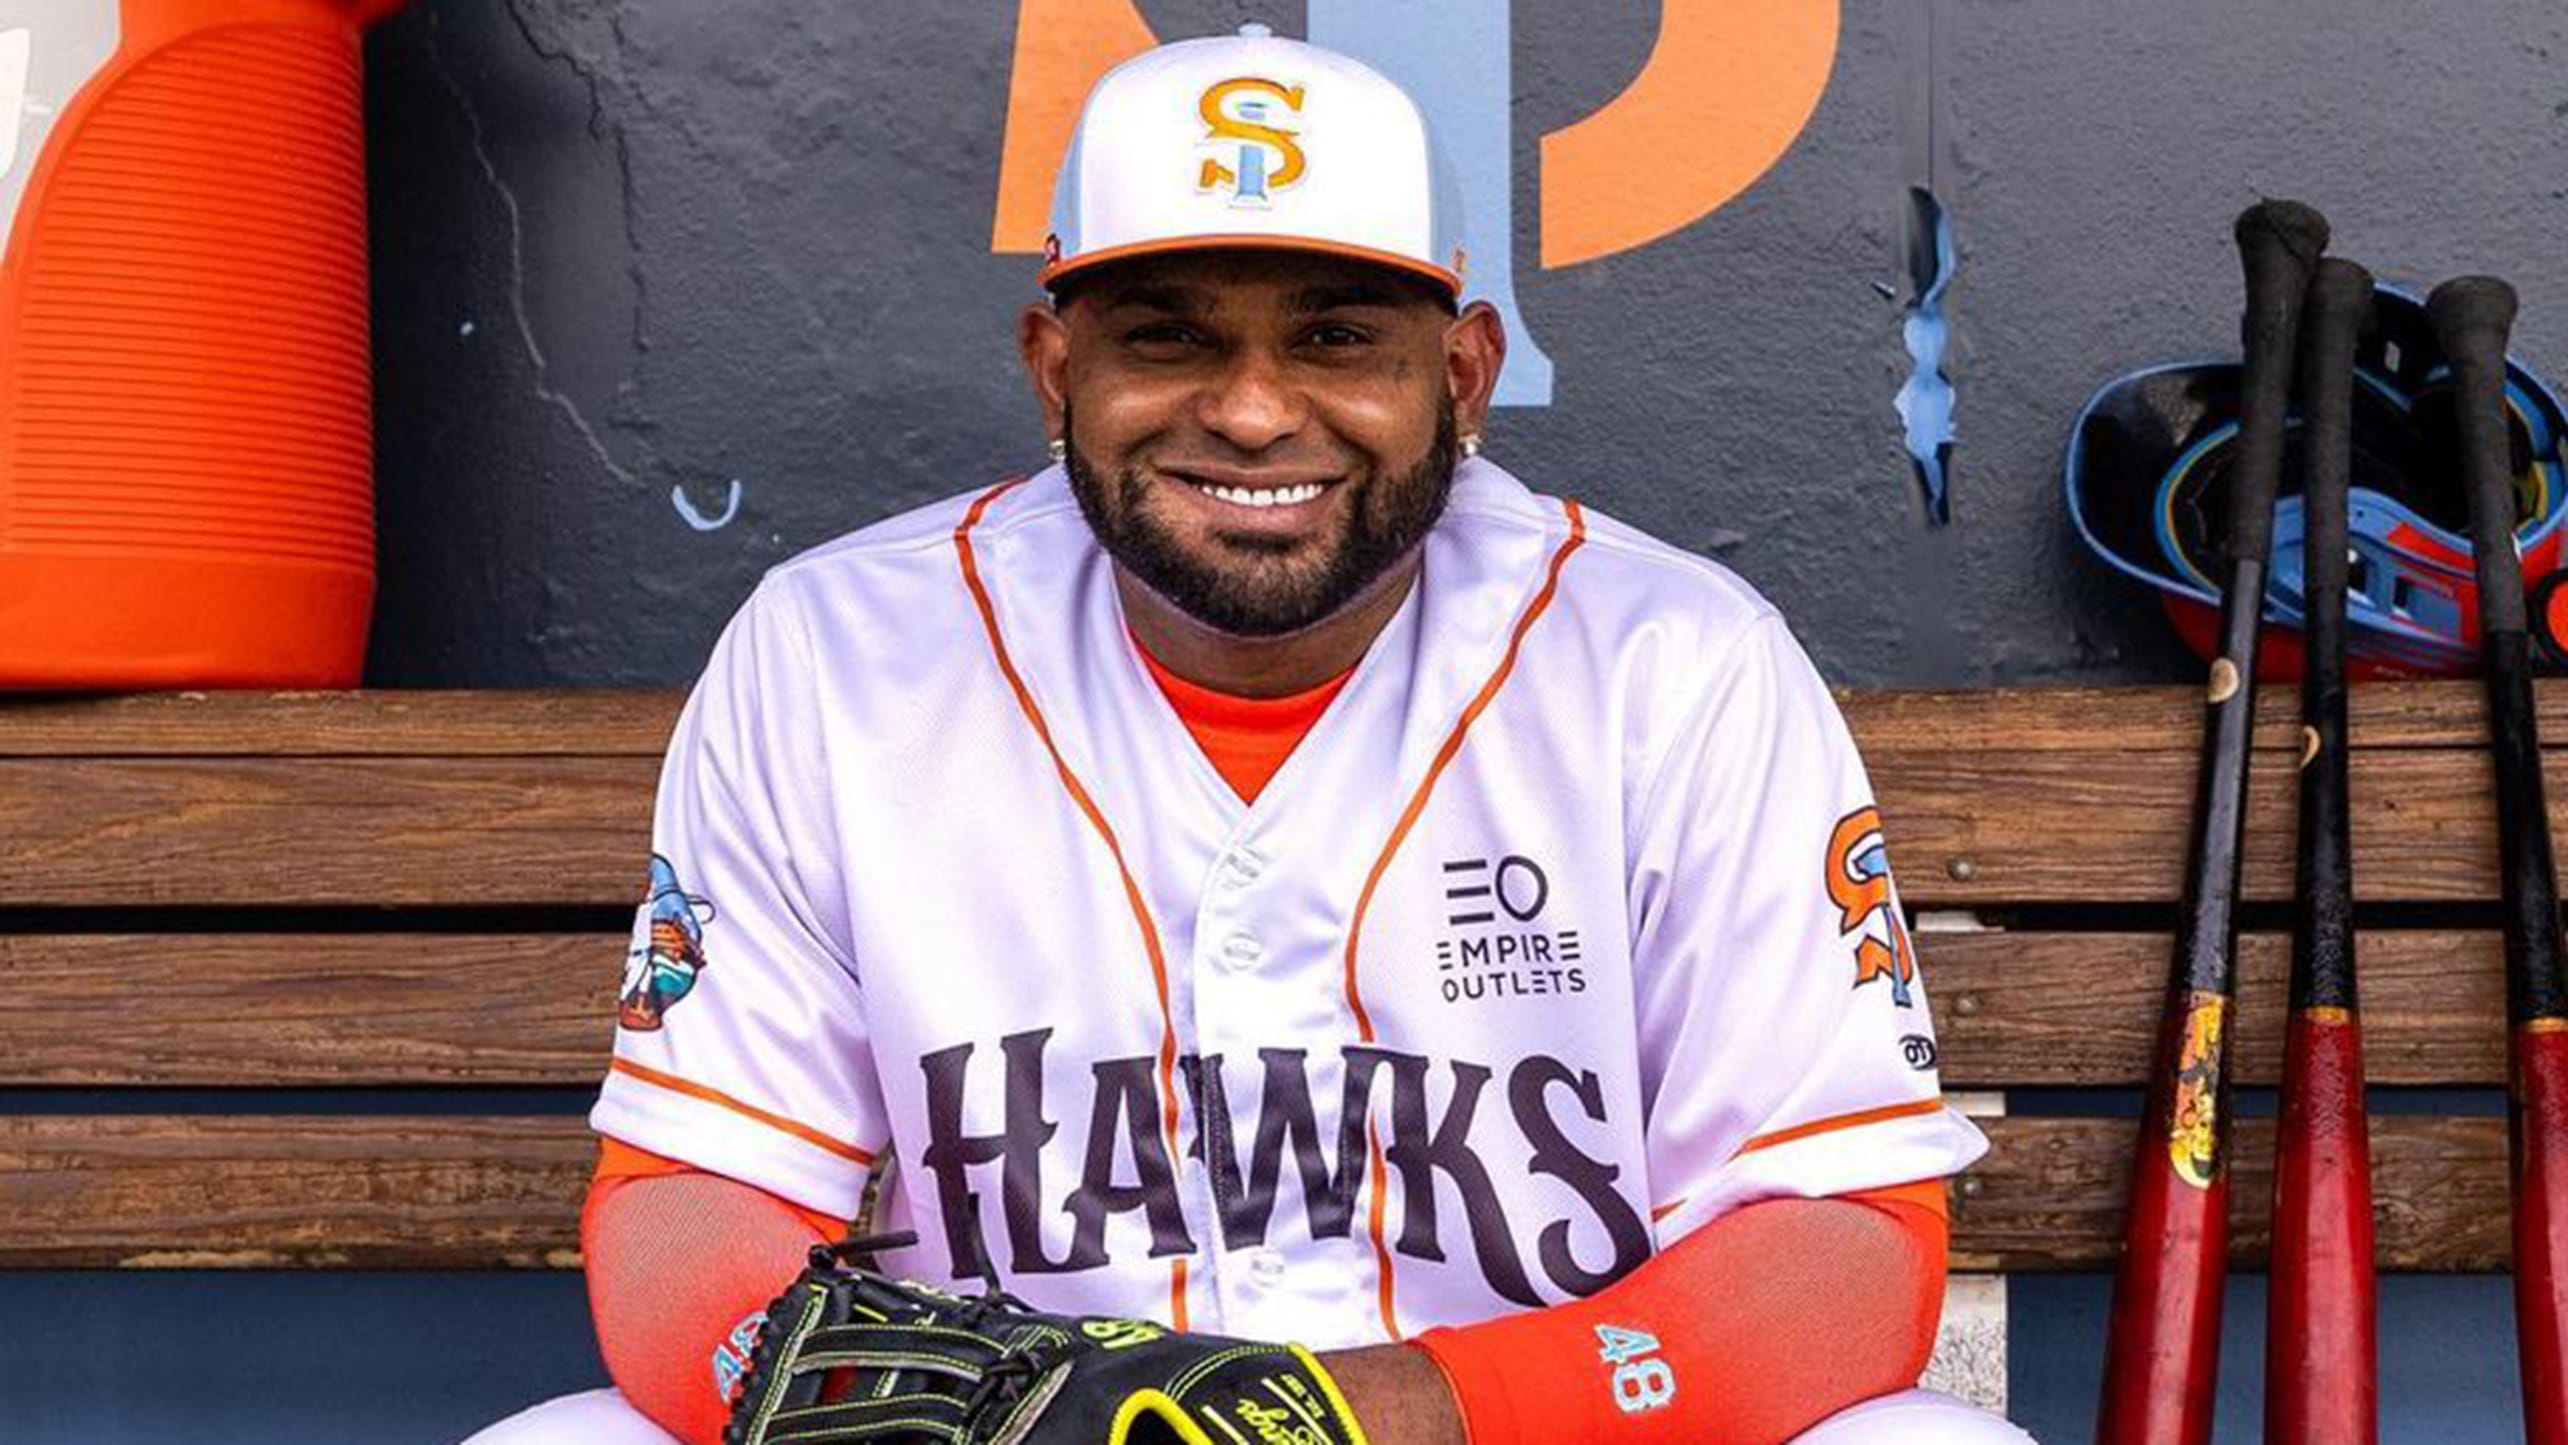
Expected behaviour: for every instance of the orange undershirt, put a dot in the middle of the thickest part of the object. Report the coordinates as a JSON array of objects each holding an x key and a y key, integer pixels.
[{"x": 1247, "y": 738}]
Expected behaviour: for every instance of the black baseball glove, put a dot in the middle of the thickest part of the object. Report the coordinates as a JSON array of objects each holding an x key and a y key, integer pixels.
[{"x": 850, "y": 1354}]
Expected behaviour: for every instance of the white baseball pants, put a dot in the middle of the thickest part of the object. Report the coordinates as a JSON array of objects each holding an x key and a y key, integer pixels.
[{"x": 1911, "y": 1417}]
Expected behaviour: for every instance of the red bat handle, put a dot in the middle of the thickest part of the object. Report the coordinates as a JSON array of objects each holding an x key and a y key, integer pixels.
[
  {"x": 2541, "y": 1224},
  {"x": 2320, "y": 1352},
  {"x": 2163, "y": 1338}
]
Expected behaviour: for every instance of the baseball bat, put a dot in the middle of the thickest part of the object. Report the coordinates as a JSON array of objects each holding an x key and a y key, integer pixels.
[
  {"x": 2162, "y": 1344},
  {"x": 2471, "y": 317},
  {"x": 2320, "y": 1353}
]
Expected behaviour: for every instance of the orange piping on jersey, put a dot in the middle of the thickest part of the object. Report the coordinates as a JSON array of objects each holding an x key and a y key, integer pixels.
[
  {"x": 1377, "y": 1173},
  {"x": 1378, "y": 1176},
  {"x": 1672, "y": 1206},
  {"x": 1096, "y": 817},
  {"x": 694, "y": 1090},
  {"x": 1841, "y": 1121}
]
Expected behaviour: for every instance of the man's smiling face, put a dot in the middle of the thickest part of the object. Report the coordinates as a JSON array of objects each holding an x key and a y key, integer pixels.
[{"x": 1256, "y": 436}]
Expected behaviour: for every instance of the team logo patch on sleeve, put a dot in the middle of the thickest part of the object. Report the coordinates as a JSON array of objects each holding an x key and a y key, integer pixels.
[
  {"x": 1868, "y": 904},
  {"x": 667, "y": 952}
]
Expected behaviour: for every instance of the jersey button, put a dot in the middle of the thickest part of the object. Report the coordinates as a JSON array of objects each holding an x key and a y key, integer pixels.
[
  {"x": 1266, "y": 1268},
  {"x": 1240, "y": 868},
  {"x": 1241, "y": 951}
]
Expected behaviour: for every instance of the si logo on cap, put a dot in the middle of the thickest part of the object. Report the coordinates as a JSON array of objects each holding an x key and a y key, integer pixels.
[{"x": 1245, "y": 126}]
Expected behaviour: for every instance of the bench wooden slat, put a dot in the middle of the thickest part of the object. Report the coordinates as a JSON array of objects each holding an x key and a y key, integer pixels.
[
  {"x": 2049, "y": 1194},
  {"x": 627, "y": 722},
  {"x": 454, "y": 723},
  {"x": 2012, "y": 1010},
  {"x": 354, "y": 832},
  {"x": 292, "y": 1192},
  {"x": 2014, "y": 720},
  {"x": 508, "y": 813},
  {"x": 1965, "y": 830},
  {"x": 214, "y": 1192},
  {"x": 338, "y": 1009},
  {"x": 1978, "y": 830}
]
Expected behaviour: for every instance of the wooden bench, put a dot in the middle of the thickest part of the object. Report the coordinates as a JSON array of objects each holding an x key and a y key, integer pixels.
[{"x": 265, "y": 896}]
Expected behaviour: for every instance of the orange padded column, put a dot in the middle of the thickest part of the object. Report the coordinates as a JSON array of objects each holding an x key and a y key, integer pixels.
[{"x": 186, "y": 441}]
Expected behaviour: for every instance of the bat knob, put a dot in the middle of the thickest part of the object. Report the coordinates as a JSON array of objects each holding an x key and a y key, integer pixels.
[
  {"x": 2296, "y": 229},
  {"x": 2471, "y": 305}
]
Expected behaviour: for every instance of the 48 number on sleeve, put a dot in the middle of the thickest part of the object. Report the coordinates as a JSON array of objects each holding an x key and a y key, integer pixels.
[{"x": 1642, "y": 1381}]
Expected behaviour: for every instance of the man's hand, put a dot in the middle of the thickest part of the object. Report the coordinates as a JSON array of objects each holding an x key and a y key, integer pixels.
[{"x": 1400, "y": 1394}]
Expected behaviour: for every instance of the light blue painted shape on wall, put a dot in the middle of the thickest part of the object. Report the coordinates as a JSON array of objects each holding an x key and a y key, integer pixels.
[{"x": 1454, "y": 58}]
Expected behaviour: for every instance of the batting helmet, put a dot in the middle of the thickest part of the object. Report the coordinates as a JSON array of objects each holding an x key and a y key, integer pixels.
[{"x": 2147, "y": 477}]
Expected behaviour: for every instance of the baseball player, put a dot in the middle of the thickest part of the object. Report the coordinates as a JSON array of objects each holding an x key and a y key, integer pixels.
[{"x": 1272, "y": 875}]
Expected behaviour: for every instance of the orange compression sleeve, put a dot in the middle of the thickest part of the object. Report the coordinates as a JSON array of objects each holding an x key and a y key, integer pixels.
[
  {"x": 681, "y": 1267},
  {"x": 1746, "y": 1332},
  {"x": 619, "y": 1160}
]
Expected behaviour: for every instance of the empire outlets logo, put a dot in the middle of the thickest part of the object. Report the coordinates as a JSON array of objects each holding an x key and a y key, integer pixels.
[{"x": 1498, "y": 946}]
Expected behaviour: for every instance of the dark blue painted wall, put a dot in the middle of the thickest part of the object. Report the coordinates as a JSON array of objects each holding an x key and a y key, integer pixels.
[
  {"x": 351, "y": 1358},
  {"x": 625, "y": 249}
]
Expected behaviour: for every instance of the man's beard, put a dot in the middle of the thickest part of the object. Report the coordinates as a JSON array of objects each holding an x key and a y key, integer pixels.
[{"x": 1255, "y": 589}]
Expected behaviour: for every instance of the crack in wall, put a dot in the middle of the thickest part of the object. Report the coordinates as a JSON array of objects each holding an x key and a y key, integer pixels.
[
  {"x": 520, "y": 314},
  {"x": 525, "y": 323},
  {"x": 599, "y": 126}
]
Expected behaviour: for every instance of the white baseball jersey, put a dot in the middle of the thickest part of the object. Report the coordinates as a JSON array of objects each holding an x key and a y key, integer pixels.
[{"x": 1566, "y": 929}]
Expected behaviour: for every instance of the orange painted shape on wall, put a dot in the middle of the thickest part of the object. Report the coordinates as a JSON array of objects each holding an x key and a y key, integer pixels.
[
  {"x": 1724, "y": 93},
  {"x": 1062, "y": 47}
]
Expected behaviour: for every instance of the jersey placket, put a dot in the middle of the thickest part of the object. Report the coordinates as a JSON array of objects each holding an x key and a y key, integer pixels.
[
  {"x": 1228, "y": 957},
  {"x": 1264, "y": 978}
]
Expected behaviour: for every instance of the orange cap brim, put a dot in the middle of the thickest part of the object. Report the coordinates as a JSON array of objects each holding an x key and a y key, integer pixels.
[{"x": 1450, "y": 281}]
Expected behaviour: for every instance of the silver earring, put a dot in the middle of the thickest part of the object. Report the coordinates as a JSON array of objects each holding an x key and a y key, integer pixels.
[
  {"x": 1059, "y": 449},
  {"x": 1471, "y": 444}
]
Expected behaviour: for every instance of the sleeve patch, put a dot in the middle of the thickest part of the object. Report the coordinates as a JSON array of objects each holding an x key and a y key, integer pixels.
[
  {"x": 667, "y": 954},
  {"x": 1868, "y": 918}
]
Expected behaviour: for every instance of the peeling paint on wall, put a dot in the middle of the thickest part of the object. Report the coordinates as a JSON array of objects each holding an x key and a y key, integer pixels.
[{"x": 1925, "y": 400}]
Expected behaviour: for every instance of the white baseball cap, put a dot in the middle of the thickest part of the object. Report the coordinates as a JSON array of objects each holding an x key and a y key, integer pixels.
[{"x": 1251, "y": 140}]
